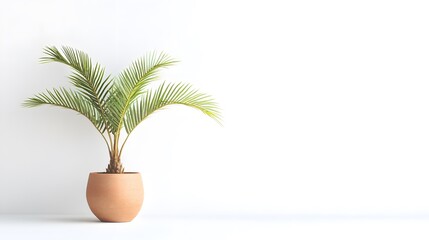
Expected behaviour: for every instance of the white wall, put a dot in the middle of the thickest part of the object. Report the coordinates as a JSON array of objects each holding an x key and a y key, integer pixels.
[{"x": 325, "y": 106}]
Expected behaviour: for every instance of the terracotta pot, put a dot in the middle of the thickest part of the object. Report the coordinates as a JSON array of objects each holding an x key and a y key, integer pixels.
[{"x": 115, "y": 197}]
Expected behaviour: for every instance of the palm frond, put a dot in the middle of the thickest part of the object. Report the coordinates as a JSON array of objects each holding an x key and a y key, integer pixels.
[
  {"x": 130, "y": 84},
  {"x": 67, "y": 99},
  {"x": 87, "y": 77},
  {"x": 168, "y": 94},
  {"x": 112, "y": 104}
]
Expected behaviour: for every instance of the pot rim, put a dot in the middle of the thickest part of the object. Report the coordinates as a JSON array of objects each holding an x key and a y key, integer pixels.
[{"x": 104, "y": 173}]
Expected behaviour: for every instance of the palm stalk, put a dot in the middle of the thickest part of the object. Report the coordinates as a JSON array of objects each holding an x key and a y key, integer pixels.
[{"x": 117, "y": 105}]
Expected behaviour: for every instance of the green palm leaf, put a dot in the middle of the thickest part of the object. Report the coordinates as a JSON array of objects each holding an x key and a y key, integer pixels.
[
  {"x": 121, "y": 102},
  {"x": 87, "y": 77},
  {"x": 129, "y": 85},
  {"x": 168, "y": 94},
  {"x": 67, "y": 99}
]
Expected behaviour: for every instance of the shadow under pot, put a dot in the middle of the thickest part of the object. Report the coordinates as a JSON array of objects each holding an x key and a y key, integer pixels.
[{"x": 115, "y": 197}]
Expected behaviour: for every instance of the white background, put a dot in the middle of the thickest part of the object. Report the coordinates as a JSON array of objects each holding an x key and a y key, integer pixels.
[{"x": 325, "y": 106}]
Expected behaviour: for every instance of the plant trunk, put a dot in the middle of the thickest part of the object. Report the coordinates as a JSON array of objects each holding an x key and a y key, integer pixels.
[{"x": 115, "y": 165}]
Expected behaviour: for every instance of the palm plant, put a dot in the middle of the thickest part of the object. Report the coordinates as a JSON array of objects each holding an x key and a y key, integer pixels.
[{"x": 112, "y": 104}]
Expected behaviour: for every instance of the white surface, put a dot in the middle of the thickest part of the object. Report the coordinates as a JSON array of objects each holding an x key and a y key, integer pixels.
[
  {"x": 325, "y": 106},
  {"x": 251, "y": 228}
]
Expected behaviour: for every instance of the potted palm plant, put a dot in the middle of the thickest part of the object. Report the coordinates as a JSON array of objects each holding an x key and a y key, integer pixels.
[{"x": 116, "y": 106}]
